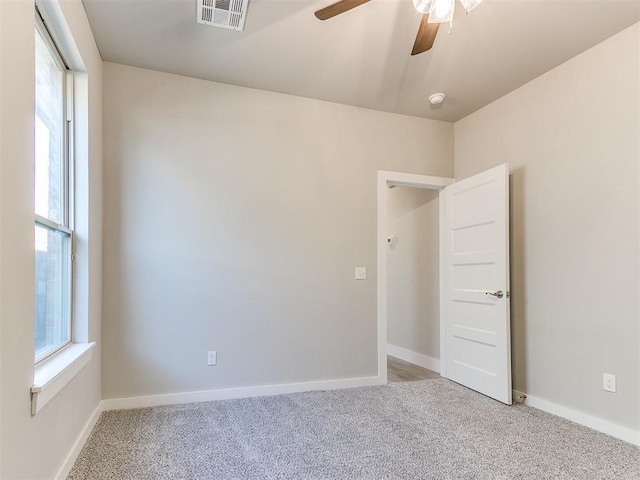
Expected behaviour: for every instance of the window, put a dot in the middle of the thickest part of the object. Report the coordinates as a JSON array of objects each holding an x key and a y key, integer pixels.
[{"x": 53, "y": 199}]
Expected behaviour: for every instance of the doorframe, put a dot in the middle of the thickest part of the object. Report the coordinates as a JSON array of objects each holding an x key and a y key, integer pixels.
[{"x": 386, "y": 181}]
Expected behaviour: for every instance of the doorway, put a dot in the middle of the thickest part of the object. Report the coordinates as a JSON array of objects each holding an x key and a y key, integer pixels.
[
  {"x": 408, "y": 276},
  {"x": 473, "y": 277},
  {"x": 413, "y": 293}
]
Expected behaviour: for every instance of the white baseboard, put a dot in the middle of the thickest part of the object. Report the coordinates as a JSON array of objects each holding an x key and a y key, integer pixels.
[
  {"x": 231, "y": 393},
  {"x": 595, "y": 423},
  {"x": 414, "y": 357},
  {"x": 66, "y": 466}
]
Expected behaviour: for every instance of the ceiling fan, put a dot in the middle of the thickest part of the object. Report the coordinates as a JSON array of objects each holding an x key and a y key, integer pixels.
[{"x": 434, "y": 13}]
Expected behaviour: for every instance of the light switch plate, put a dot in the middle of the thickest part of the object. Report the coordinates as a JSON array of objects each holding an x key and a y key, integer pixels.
[
  {"x": 212, "y": 358},
  {"x": 361, "y": 273}
]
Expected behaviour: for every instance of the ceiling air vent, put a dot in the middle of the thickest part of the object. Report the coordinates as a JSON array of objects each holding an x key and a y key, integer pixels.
[{"x": 223, "y": 13}]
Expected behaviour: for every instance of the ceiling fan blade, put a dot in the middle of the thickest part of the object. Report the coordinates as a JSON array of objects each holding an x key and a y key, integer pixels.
[
  {"x": 338, "y": 8},
  {"x": 426, "y": 35}
]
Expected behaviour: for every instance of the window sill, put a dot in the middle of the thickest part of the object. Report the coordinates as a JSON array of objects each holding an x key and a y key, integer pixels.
[{"x": 53, "y": 374}]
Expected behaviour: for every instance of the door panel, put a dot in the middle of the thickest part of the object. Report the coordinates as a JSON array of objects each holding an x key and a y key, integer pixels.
[{"x": 476, "y": 263}]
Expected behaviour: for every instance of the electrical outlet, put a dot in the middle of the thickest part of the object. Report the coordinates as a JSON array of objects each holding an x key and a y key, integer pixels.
[
  {"x": 609, "y": 382},
  {"x": 212, "y": 358}
]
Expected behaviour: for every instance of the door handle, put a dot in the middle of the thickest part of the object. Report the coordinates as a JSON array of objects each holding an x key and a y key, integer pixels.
[{"x": 498, "y": 294}]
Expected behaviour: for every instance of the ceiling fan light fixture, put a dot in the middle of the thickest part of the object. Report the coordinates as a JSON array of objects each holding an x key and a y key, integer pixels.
[
  {"x": 470, "y": 4},
  {"x": 441, "y": 11},
  {"x": 422, "y": 6}
]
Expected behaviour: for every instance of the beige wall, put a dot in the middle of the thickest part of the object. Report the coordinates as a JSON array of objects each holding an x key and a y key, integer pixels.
[
  {"x": 571, "y": 139},
  {"x": 413, "y": 289},
  {"x": 3, "y": 313},
  {"x": 234, "y": 219},
  {"x": 34, "y": 447}
]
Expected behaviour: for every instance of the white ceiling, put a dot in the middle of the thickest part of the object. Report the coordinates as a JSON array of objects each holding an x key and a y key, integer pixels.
[{"x": 362, "y": 56}]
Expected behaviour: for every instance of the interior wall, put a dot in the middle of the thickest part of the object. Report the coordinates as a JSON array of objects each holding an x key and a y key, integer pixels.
[
  {"x": 34, "y": 447},
  {"x": 413, "y": 279},
  {"x": 234, "y": 219},
  {"x": 571, "y": 140},
  {"x": 2, "y": 155}
]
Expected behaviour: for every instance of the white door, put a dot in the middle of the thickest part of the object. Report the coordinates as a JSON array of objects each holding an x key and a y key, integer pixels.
[{"x": 477, "y": 342}]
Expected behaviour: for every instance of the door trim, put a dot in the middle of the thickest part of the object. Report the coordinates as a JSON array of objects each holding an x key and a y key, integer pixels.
[{"x": 387, "y": 180}]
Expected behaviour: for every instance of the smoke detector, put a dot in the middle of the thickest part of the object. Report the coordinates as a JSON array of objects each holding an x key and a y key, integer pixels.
[
  {"x": 437, "y": 98},
  {"x": 222, "y": 13}
]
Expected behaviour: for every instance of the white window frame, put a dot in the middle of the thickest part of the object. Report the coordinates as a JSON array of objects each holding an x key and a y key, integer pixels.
[
  {"x": 53, "y": 373},
  {"x": 66, "y": 228}
]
